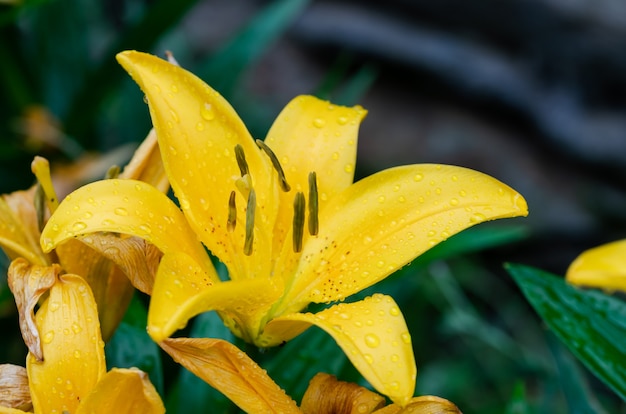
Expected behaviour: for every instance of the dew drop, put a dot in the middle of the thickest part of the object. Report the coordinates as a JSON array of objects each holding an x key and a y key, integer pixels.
[
  {"x": 76, "y": 328},
  {"x": 381, "y": 199},
  {"x": 174, "y": 88},
  {"x": 319, "y": 122},
  {"x": 368, "y": 358},
  {"x": 342, "y": 120},
  {"x": 418, "y": 177},
  {"x": 79, "y": 226},
  {"x": 406, "y": 338},
  {"x": 48, "y": 337},
  {"x": 200, "y": 126},
  {"x": 394, "y": 358},
  {"x": 477, "y": 218},
  {"x": 372, "y": 340},
  {"x": 380, "y": 264},
  {"x": 454, "y": 202},
  {"x": 77, "y": 354},
  {"x": 335, "y": 156},
  {"x": 362, "y": 408},
  {"x": 121, "y": 211},
  {"x": 394, "y": 311},
  {"x": 207, "y": 112},
  {"x": 348, "y": 168}
]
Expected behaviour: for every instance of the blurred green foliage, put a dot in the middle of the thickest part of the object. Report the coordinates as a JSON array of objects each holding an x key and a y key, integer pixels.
[{"x": 476, "y": 340}]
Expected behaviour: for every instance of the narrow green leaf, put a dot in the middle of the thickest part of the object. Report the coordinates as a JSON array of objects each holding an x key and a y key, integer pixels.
[
  {"x": 591, "y": 324},
  {"x": 518, "y": 403}
]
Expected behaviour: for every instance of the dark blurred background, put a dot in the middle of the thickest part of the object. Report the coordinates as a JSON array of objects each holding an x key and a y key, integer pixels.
[{"x": 532, "y": 92}]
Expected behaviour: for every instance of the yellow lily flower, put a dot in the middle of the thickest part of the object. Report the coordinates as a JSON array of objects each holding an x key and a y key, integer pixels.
[
  {"x": 285, "y": 218},
  {"x": 94, "y": 258},
  {"x": 601, "y": 267},
  {"x": 71, "y": 376}
]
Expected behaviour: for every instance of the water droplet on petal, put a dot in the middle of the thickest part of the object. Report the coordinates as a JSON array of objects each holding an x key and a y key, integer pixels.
[
  {"x": 342, "y": 120},
  {"x": 207, "y": 112},
  {"x": 76, "y": 328},
  {"x": 54, "y": 306},
  {"x": 368, "y": 358},
  {"x": 418, "y": 177},
  {"x": 372, "y": 340},
  {"x": 394, "y": 311},
  {"x": 319, "y": 122},
  {"x": 79, "y": 226},
  {"x": 477, "y": 218},
  {"x": 406, "y": 338},
  {"x": 48, "y": 337},
  {"x": 121, "y": 211}
]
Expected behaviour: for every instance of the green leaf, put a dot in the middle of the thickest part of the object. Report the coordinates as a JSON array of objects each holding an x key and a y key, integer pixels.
[
  {"x": 591, "y": 324},
  {"x": 132, "y": 347},
  {"x": 518, "y": 403}
]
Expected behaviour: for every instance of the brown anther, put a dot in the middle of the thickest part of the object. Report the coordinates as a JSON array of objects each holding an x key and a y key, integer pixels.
[
  {"x": 313, "y": 204},
  {"x": 284, "y": 185},
  {"x": 298, "y": 221},
  {"x": 241, "y": 160},
  {"x": 247, "y": 247},
  {"x": 40, "y": 206},
  {"x": 232, "y": 212},
  {"x": 112, "y": 172}
]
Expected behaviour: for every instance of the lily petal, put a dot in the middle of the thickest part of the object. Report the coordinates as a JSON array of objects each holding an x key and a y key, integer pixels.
[
  {"x": 146, "y": 165},
  {"x": 230, "y": 371},
  {"x": 73, "y": 349},
  {"x": 106, "y": 206},
  {"x": 326, "y": 395},
  {"x": 123, "y": 391},
  {"x": 183, "y": 290},
  {"x": 19, "y": 230},
  {"x": 384, "y": 221},
  {"x": 312, "y": 135},
  {"x": 14, "y": 389},
  {"x": 373, "y": 335},
  {"x": 602, "y": 267},
  {"x": 28, "y": 283},
  {"x": 137, "y": 258},
  {"x": 198, "y": 131},
  {"x": 110, "y": 287},
  {"x": 426, "y": 404}
]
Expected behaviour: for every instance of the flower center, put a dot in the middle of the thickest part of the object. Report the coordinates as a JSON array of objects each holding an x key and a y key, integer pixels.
[{"x": 244, "y": 185}]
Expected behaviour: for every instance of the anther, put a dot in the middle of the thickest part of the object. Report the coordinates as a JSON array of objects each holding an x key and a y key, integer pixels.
[
  {"x": 298, "y": 221},
  {"x": 40, "y": 206},
  {"x": 313, "y": 204},
  {"x": 112, "y": 172},
  {"x": 284, "y": 185},
  {"x": 241, "y": 160},
  {"x": 247, "y": 247},
  {"x": 232, "y": 212}
]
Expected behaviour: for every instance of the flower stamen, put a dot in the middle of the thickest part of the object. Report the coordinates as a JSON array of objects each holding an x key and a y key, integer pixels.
[
  {"x": 247, "y": 247},
  {"x": 298, "y": 221},
  {"x": 241, "y": 160},
  {"x": 313, "y": 204},
  {"x": 279, "y": 169},
  {"x": 232, "y": 212}
]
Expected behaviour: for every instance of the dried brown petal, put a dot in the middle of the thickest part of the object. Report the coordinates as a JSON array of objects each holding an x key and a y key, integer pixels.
[
  {"x": 14, "y": 390},
  {"x": 426, "y": 404},
  {"x": 28, "y": 282},
  {"x": 232, "y": 372},
  {"x": 326, "y": 395}
]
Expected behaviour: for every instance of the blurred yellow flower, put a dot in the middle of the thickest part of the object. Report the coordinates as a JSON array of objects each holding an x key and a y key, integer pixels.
[
  {"x": 70, "y": 375},
  {"x": 285, "y": 218},
  {"x": 601, "y": 267}
]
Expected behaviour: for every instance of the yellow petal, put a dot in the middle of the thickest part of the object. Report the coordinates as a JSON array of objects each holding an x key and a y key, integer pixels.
[
  {"x": 198, "y": 132},
  {"x": 110, "y": 287},
  {"x": 28, "y": 283},
  {"x": 182, "y": 290},
  {"x": 73, "y": 349},
  {"x": 146, "y": 165},
  {"x": 124, "y": 206},
  {"x": 373, "y": 335},
  {"x": 602, "y": 267},
  {"x": 14, "y": 389},
  {"x": 123, "y": 391},
  {"x": 19, "y": 231},
  {"x": 230, "y": 371},
  {"x": 326, "y": 395},
  {"x": 314, "y": 135},
  {"x": 426, "y": 404},
  {"x": 386, "y": 220}
]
